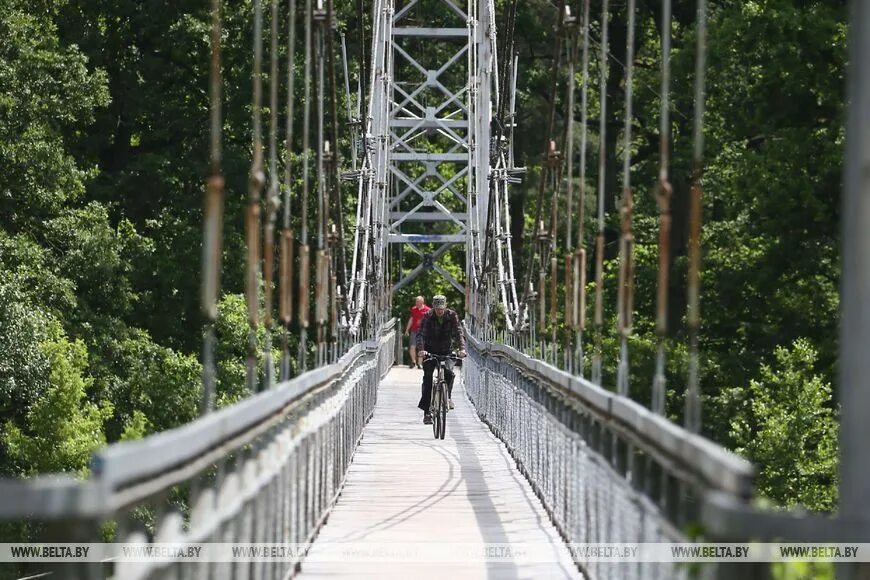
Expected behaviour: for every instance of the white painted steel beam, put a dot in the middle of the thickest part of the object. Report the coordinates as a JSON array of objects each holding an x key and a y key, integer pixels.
[
  {"x": 431, "y": 32},
  {"x": 424, "y": 156},
  {"x": 427, "y": 238},
  {"x": 427, "y": 216}
]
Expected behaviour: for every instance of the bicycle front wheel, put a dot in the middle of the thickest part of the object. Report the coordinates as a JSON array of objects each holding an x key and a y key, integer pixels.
[
  {"x": 436, "y": 411},
  {"x": 443, "y": 410}
]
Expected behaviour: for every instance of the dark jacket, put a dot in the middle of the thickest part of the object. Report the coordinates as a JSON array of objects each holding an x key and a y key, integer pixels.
[{"x": 436, "y": 334}]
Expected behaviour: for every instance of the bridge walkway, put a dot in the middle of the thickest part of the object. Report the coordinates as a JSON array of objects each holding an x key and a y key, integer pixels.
[{"x": 404, "y": 486}]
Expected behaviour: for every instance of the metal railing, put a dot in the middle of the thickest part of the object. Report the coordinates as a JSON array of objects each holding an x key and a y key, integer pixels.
[
  {"x": 266, "y": 469},
  {"x": 606, "y": 469}
]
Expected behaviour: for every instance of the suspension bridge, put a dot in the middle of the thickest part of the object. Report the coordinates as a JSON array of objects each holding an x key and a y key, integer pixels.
[{"x": 329, "y": 449}]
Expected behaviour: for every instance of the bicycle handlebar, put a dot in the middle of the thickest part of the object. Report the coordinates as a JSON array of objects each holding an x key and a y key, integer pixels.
[{"x": 451, "y": 356}]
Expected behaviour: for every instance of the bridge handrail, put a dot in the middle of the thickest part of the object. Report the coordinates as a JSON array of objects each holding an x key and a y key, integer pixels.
[
  {"x": 178, "y": 452},
  {"x": 720, "y": 468},
  {"x": 128, "y": 471},
  {"x": 126, "y": 462},
  {"x": 728, "y": 519},
  {"x": 49, "y": 497},
  {"x": 608, "y": 470}
]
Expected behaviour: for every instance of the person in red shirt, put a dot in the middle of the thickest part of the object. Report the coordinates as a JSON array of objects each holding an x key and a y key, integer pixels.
[{"x": 418, "y": 311}]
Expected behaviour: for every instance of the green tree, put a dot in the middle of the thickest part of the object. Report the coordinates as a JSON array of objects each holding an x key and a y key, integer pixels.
[
  {"x": 24, "y": 366},
  {"x": 775, "y": 141},
  {"x": 47, "y": 93},
  {"x": 787, "y": 427},
  {"x": 154, "y": 381},
  {"x": 61, "y": 428},
  {"x": 151, "y": 146},
  {"x": 231, "y": 331}
]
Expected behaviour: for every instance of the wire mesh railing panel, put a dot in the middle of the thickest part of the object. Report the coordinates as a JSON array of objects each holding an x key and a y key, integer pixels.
[
  {"x": 252, "y": 488},
  {"x": 266, "y": 470},
  {"x": 601, "y": 472}
]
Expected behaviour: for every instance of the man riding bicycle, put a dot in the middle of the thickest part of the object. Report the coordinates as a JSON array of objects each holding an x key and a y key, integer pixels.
[{"x": 437, "y": 331}]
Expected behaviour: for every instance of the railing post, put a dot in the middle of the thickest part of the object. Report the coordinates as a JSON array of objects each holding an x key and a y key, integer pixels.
[{"x": 855, "y": 315}]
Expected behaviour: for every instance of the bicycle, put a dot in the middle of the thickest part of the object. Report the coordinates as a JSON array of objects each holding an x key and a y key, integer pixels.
[{"x": 440, "y": 396}]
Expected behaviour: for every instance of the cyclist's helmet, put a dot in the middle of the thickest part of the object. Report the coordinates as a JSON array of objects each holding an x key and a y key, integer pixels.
[{"x": 439, "y": 301}]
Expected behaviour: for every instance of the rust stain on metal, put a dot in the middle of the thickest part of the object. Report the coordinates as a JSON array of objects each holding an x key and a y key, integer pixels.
[
  {"x": 321, "y": 290},
  {"x": 285, "y": 302},
  {"x": 582, "y": 284},
  {"x": 599, "y": 278},
  {"x": 665, "y": 192},
  {"x": 554, "y": 278},
  {"x": 252, "y": 227},
  {"x": 304, "y": 283},
  {"x": 268, "y": 269},
  {"x": 570, "y": 300},
  {"x": 626, "y": 266}
]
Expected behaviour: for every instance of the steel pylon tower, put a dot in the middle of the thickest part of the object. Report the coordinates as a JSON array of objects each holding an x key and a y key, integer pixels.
[{"x": 439, "y": 133}]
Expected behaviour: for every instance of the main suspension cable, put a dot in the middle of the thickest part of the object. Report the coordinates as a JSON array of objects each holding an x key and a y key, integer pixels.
[
  {"x": 304, "y": 256},
  {"x": 256, "y": 181},
  {"x": 213, "y": 226},
  {"x": 363, "y": 61},
  {"x": 273, "y": 200},
  {"x": 693, "y": 394},
  {"x": 338, "y": 265},
  {"x": 287, "y": 235},
  {"x": 599, "y": 239},
  {"x": 625, "y": 292},
  {"x": 569, "y": 144},
  {"x": 664, "y": 194},
  {"x": 323, "y": 151},
  {"x": 505, "y": 65},
  {"x": 579, "y": 267}
]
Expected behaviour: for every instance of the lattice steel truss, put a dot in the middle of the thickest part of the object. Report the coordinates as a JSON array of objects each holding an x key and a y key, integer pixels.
[
  {"x": 430, "y": 140},
  {"x": 430, "y": 167}
]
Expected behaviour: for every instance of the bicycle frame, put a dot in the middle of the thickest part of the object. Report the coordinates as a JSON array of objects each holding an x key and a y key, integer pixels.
[{"x": 439, "y": 396}]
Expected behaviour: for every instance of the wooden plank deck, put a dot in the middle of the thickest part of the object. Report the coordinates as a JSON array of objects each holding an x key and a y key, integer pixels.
[{"x": 404, "y": 486}]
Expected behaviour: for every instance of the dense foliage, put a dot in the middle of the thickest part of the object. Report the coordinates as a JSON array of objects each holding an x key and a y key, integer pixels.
[
  {"x": 102, "y": 157},
  {"x": 773, "y": 148},
  {"x": 103, "y": 151}
]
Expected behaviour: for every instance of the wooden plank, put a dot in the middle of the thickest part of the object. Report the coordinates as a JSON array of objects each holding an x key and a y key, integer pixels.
[{"x": 405, "y": 487}]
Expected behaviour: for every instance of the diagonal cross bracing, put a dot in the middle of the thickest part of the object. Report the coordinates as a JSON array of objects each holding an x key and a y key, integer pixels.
[
  {"x": 430, "y": 81},
  {"x": 413, "y": 186},
  {"x": 429, "y": 127}
]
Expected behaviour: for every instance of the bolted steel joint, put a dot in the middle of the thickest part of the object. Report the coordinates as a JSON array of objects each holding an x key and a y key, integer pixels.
[
  {"x": 319, "y": 13},
  {"x": 554, "y": 156},
  {"x": 257, "y": 179},
  {"x": 328, "y": 155},
  {"x": 273, "y": 200},
  {"x": 332, "y": 237},
  {"x": 569, "y": 21},
  {"x": 663, "y": 194}
]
